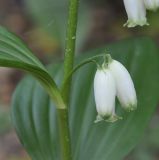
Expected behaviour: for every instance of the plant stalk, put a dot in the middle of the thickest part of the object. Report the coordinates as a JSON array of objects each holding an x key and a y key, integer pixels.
[
  {"x": 63, "y": 116},
  {"x": 70, "y": 47},
  {"x": 64, "y": 134}
]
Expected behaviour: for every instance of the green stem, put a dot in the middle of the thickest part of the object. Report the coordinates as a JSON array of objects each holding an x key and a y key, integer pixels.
[
  {"x": 78, "y": 66},
  {"x": 64, "y": 134},
  {"x": 63, "y": 117},
  {"x": 70, "y": 46}
]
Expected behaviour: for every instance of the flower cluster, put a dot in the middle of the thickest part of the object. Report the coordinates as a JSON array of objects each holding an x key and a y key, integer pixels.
[
  {"x": 136, "y": 11},
  {"x": 111, "y": 80}
]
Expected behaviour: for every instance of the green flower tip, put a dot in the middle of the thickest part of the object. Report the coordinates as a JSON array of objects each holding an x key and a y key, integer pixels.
[
  {"x": 131, "y": 23},
  {"x": 107, "y": 118},
  {"x": 130, "y": 107}
]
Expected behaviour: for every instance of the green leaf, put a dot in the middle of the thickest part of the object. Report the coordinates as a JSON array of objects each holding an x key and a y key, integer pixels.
[
  {"x": 14, "y": 53},
  {"x": 35, "y": 120}
]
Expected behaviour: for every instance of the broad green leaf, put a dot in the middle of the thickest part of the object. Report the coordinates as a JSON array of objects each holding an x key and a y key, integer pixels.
[
  {"x": 35, "y": 120},
  {"x": 14, "y": 53}
]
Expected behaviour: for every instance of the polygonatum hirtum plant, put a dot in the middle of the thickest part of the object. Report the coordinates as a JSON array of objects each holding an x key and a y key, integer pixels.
[{"x": 54, "y": 110}]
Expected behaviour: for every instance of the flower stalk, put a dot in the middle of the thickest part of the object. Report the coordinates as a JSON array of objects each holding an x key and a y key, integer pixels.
[
  {"x": 63, "y": 115},
  {"x": 70, "y": 46}
]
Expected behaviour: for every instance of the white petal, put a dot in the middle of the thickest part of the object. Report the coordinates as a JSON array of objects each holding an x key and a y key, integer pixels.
[
  {"x": 105, "y": 92},
  {"x": 151, "y": 4},
  {"x": 136, "y": 12},
  {"x": 125, "y": 88}
]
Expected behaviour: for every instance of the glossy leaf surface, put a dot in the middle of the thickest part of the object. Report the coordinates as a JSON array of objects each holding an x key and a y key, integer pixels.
[
  {"x": 34, "y": 115},
  {"x": 14, "y": 53}
]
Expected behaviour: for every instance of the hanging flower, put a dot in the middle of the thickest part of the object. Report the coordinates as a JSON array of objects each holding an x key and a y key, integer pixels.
[
  {"x": 151, "y": 4},
  {"x": 111, "y": 80},
  {"x": 105, "y": 92},
  {"x": 136, "y": 12},
  {"x": 124, "y": 85}
]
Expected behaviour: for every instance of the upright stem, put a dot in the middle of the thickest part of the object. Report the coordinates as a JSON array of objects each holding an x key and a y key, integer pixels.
[
  {"x": 63, "y": 117},
  {"x": 64, "y": 134},
  {"x": 70, "y": 46}
]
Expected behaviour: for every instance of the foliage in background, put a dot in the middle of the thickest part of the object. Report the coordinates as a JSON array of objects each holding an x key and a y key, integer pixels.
[
  {"x": 5, "y": 121},
  {"x": 89, "y": 141},
  {"x": 52, "y": 17},
  {"x": 54, "y": 20}
]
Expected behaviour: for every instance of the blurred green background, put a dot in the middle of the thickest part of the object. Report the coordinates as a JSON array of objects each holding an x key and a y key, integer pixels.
[{"x": 42, "y": 25}]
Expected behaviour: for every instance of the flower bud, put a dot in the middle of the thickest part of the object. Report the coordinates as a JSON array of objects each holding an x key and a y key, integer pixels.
[
  {"x": 151, "y": 4},
  {"x": 136, "y": 12},
  {"x": 124, "y": 85},
  {"x": 105, "y": 93}
]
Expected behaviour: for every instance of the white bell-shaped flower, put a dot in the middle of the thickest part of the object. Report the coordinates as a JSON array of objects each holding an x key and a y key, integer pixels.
[
  {"x": 105, "y": 93},
  {"x": 124, "y": 85},
  {"x": 136, "y": 12},
  {"x": 151, "y": 4}
]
